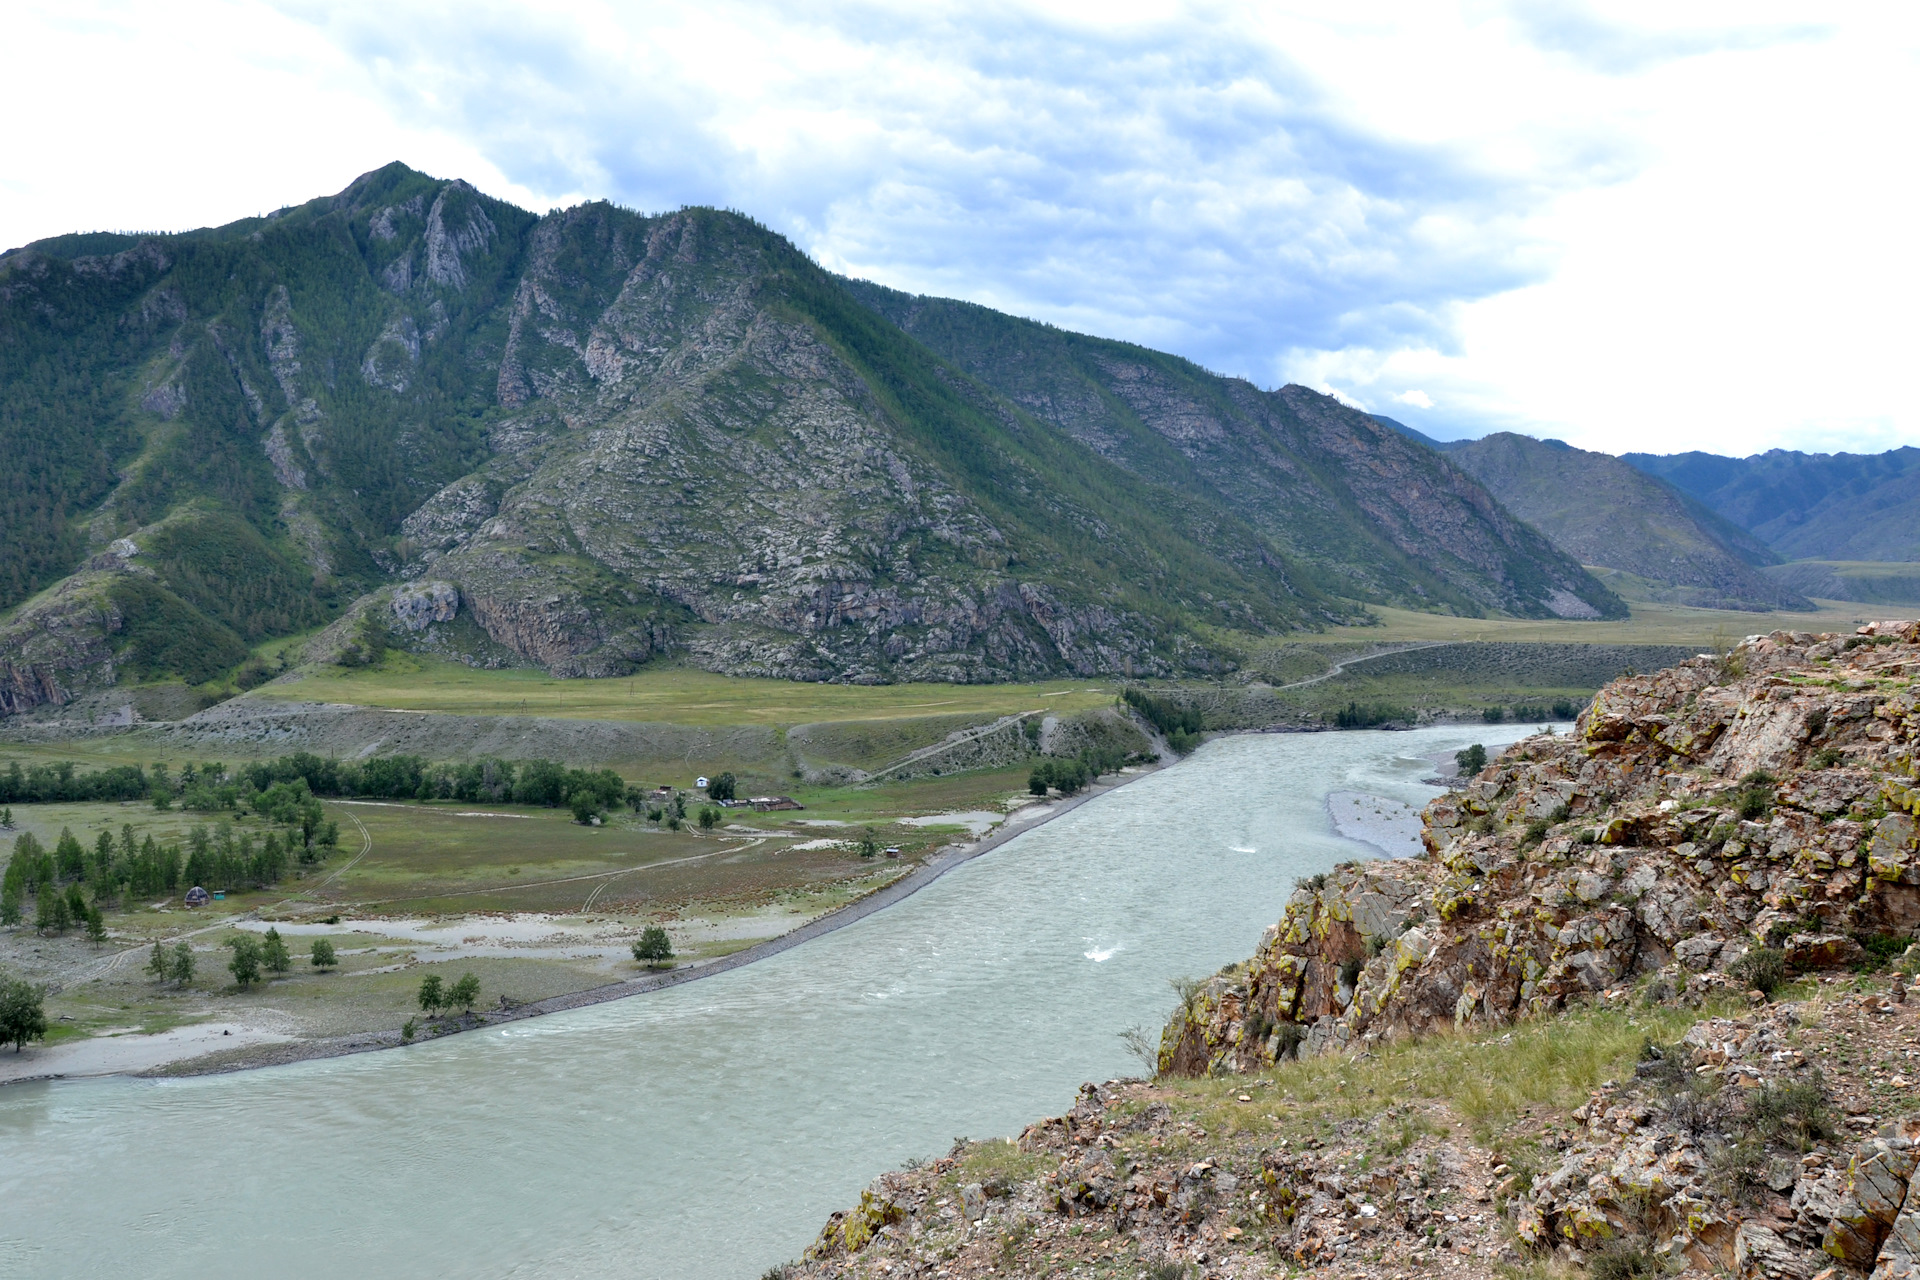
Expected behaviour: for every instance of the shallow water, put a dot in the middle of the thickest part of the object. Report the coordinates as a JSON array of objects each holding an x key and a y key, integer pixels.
[{"x": 706, "y": 1130}]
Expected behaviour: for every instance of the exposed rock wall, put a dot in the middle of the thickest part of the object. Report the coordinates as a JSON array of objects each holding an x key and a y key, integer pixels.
[{"x": 1573, "y": 863}]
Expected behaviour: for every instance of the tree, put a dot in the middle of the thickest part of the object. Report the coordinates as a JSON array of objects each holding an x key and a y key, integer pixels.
[
  {"x": 584, "y": 809},
  {"x": 433, "y": 993},
  {"x": 96, "y": 926},
  {"x": 323, "y": 957},
  {"x": 463, "y": 993},
  {"x": 869, "y": 845},
  {"x": 273, "y": 952},
  {"x": 245, "y": 964},
  {"x": 1471, "y": 761},
  {"x": 709, "y": 817},
  {"x": 10, "y": 912},
  {"x": 721, "y": 788},
  {"x": 654, "y": 947},
  {"x": 23, "y": 1013},
  {"x": 157, "y": 962},
  {"x": 180, "y": 965}
]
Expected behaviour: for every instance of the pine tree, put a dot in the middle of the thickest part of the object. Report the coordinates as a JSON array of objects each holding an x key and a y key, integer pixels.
[{"x": 157, "y": 962}]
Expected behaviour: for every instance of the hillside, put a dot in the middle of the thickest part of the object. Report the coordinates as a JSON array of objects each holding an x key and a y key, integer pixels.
[
  {"x": 1604, "y": 512},
  {"x": 597, "y": 439},
  {"x": 1359, "y": 509},
  {"x": 1808, "y": 506}
]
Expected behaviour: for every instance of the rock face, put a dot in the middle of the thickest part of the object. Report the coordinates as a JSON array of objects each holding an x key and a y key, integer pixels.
[
  {"x": 1693, "y": 814},
  {"x": 418, "y": 605}
]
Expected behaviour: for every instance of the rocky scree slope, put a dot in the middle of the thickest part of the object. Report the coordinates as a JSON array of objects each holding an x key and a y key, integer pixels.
[
  {"x": 587, "y": 440},
  {"x": 1355, "y": 508},
  {"x": 1603, "y": 511}
]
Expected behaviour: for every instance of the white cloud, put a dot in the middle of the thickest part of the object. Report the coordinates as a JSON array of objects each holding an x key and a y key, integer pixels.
[{"x": 1673, "y": 227}]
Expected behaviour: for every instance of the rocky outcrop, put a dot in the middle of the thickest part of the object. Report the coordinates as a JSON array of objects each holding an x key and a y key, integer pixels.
[
  {"x": 1693, "y": 815},
  {"x": 418, "y": 605}
]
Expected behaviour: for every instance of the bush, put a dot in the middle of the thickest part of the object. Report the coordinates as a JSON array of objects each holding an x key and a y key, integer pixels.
[
  {"x": 1794, "y": 1113},
  {"x": 1494, "y": 715},
  {"x": 722, "y": 787},
  {"x": 1763, "y": 968},
  {"x": 1350, "y": 971},
  {"x": 709, "y": 817},
  {"x": 1471, "y": 760},
  {"x": 323, "y": 956},
  {"x": 1292, "y": 1036}
]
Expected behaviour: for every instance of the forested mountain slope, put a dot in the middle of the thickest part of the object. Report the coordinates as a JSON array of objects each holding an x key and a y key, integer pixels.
[
  {"x": 1808, "y": 506},
  {"x": 1361, "y": 509},
  {"x": 1600, "y": 509},
  {"x": 591, "y": 439}
]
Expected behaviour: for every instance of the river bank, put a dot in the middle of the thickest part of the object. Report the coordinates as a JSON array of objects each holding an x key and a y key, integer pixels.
[
  {"x": 705, "y": 1132},
  {"x": 250, "y": 1040}
]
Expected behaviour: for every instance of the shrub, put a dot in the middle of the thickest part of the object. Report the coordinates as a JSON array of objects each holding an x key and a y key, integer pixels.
[
  {"x": 1763, "y": 968},
  {"x": 1292, "y": 1036},
  {"x": 1350, "y": 971},
  {"x": 1494, "y": 715},
  {"x": 1794, "y": 1113},
  {"x": 1828, "y": 757},
  {"x": 323, "y": 957},
  {"x": 1471, "y": 760},
  {"x": 463, "y": 993}
]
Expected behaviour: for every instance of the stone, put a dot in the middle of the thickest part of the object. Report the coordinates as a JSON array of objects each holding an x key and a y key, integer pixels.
[
  {"x": 1822, "y": 951},
  {"x": 418, "y": 605}
]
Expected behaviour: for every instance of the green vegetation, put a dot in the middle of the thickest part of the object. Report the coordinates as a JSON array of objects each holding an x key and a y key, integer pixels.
[
  {"x": 1181, "y": 725},
  {"x": 323, "y": 957},
  {"x": 1471, "y": 760},
  {"x": 654, "y": 948},
  {"x": 273, "y": 952},
  {"x": 672, "y": 695},
  {"x": 23, "y": 1012},
  {"x": 246, "y": 961},
  {"x": 433, "y": 994}
]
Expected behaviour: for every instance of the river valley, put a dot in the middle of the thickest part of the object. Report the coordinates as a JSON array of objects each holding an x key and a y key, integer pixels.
[{"x": 706, "y": 1130}]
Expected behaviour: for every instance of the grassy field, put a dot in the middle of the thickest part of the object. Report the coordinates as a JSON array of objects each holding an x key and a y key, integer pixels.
[
  {"x": 1650, "y": 624},
  {"x": 669, "y": 695}
]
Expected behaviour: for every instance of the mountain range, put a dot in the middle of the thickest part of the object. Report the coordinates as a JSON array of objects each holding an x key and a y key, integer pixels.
[
  {"x": 1836, "y": 526},
  {"x": 411, "y": 413}
]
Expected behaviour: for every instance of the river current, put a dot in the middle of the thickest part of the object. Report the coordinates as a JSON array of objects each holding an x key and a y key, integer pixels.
[{"x": 709, "y": 1129}]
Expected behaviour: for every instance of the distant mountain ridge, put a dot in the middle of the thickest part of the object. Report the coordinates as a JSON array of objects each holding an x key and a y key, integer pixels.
[
  {"x": 1603, "y": 511},
  {"x": 1808, "y": 506},
  {"x": 593, "y": 439}
]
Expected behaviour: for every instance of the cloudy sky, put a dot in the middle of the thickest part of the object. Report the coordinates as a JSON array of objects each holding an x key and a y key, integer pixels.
[{"x": 1654, "y": 226}]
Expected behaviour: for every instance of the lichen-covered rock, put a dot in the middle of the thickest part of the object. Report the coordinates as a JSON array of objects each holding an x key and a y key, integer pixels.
[{"x": 1694, "y": 814}]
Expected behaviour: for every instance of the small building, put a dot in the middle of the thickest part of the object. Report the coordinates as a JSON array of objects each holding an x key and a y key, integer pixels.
[
  {"x": 197, "y": 897},
  {"x": 767, "y": 803},
  {"x": 893, "y": 851}
]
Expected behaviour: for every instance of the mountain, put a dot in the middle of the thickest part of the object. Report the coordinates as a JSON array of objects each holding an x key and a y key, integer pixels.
[
  {"x": 1604, "y": 512},
  {"x": 592, "y": 439},
  {"x": 1411, "y": 434},
  {"x": 1808, "y": 506},
  {"x": 1356, "y": 509}
]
